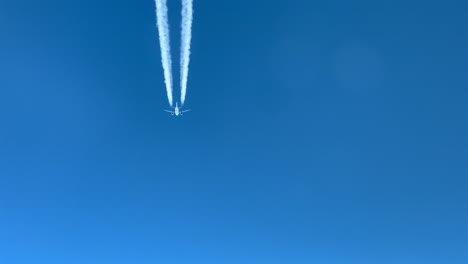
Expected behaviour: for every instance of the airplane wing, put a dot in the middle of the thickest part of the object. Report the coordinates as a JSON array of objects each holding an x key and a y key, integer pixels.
[
  {"x": 168, "y": 111},
  {"x": 186, "y": 110}
]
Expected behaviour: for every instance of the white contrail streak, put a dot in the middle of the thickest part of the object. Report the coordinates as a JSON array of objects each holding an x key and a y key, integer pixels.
[
  {"x": 163, "y": 29},
  {"x": 186, "y": 37}
]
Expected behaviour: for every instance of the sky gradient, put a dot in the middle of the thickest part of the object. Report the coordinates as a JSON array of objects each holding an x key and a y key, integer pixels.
[{"x": 319, "y": 133}]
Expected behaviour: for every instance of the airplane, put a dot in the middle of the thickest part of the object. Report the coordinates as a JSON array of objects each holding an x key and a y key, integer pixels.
[{"x": 177, "y": 111}]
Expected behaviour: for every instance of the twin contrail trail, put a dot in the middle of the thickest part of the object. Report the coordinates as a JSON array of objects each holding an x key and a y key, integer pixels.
[
  {"x": 186, "y": 37},
  {"x": 163, "y": 29}
]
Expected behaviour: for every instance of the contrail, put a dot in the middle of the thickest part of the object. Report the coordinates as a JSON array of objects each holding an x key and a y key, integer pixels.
[
  {"x": 163, "y": 29},
  {"x": 186, "y": 37}
]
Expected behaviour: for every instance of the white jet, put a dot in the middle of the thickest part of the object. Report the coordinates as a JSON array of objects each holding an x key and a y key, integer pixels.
[{"x": 177, "y": 111}]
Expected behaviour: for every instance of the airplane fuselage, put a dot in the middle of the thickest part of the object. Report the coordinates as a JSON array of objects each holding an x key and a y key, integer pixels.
[{"x": 177, "y": 111}]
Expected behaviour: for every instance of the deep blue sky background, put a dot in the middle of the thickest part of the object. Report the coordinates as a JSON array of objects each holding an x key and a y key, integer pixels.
[{"x": 321, "y": 132}]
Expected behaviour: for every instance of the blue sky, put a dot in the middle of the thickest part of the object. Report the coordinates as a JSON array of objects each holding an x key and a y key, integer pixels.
[{"x": 319, "y": 133}]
